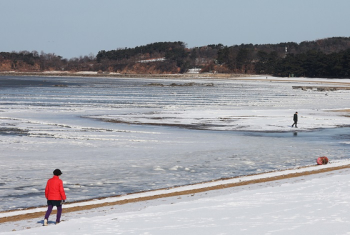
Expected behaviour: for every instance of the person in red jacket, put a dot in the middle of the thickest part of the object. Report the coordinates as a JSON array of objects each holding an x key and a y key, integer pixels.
[{"x": 55, "y": 195}]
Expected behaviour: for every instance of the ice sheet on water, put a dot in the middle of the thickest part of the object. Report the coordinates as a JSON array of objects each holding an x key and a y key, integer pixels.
[{"x": 88, "y": 130}]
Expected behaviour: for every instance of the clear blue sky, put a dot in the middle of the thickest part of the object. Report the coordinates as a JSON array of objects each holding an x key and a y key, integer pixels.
[{"x": 73, "y": 28}]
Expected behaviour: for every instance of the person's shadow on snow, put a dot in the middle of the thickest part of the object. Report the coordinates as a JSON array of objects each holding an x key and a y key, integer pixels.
[{"x": 48, "y": 222}]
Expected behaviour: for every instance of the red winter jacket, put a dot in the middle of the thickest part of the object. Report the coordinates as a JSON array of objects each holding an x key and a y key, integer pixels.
[{"x": 54, "y": 189}]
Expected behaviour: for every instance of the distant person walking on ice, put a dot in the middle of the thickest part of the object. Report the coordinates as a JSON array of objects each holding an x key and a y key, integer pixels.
[
  {"x": 55, "y": 196},
  {"x": 295, "y": 119}
]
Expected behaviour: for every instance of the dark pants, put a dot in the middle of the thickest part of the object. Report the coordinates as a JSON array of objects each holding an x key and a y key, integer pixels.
[
  {"x": 49, "y": 210},
  {"x": 295, "y": 123}
]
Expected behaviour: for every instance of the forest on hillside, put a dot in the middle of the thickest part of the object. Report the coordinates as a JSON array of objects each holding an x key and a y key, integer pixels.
[{"x": 328, "y": 57}]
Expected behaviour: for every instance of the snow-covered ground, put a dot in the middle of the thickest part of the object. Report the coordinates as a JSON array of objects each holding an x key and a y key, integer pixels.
[{"x": 118, "y": 136}]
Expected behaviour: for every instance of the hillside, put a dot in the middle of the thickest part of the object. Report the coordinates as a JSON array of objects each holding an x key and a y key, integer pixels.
[{"x": 328, "y": 57}]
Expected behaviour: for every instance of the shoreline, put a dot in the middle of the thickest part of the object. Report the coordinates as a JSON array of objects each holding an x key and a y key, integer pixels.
[
  {"x": 119, "y": 75},
  {"x": 251, "y": 77},
  {"x": 37, "y": 212}
]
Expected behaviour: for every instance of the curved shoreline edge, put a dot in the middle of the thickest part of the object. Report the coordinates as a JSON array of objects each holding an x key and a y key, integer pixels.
[
  {"x": 30, "y": 213},
  {"x": 345, "y": 82},
  {"x": 125, "y": 75}
]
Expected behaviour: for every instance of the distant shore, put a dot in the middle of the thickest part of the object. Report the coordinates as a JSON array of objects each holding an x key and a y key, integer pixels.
[
  {"x": 123, "y": 75},
  {"x": 261, "y": 77}
]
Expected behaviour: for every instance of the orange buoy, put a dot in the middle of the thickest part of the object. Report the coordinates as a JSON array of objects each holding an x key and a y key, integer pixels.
[{"x": 322, "y": 161}]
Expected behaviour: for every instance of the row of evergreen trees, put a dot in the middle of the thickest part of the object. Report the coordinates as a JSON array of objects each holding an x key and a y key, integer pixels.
[
  {"x": 175, "y": 54},
  {"x": 321, "y": 58},
  {"x": 313, "y": 64}
]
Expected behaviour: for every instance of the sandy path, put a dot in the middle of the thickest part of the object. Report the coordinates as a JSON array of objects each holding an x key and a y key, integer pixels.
[{"x": 185, "y": 192}]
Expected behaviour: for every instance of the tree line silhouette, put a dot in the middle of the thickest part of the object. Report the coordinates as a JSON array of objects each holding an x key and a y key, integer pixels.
[{"x": 328, "y": 57}]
